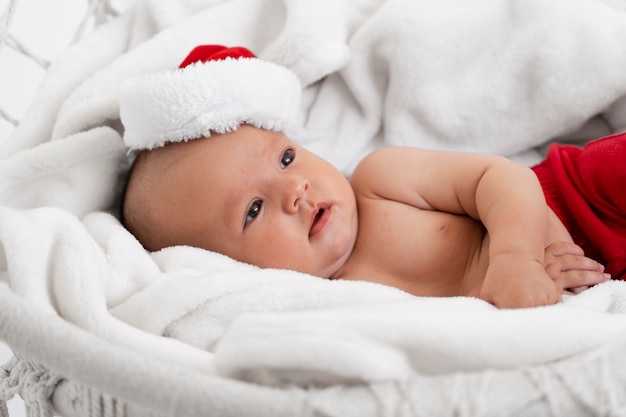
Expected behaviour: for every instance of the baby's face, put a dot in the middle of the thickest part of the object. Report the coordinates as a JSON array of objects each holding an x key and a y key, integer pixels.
[{"x": 259, "y": 198}]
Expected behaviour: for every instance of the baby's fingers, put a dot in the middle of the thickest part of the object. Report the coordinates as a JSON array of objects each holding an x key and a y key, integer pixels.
[
  {"x": 572, "y": 271},
  {"x": 580, "y": 278},
  {"x": 563, "y": 248},
  {"x": 578, "y": 290},
  {"x": 573, "y": 262}
]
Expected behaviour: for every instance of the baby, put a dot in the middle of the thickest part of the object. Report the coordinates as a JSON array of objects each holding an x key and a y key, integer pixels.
[{"x": 430, "y": 223}]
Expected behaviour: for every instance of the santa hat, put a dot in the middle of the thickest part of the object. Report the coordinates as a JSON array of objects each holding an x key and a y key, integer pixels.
[{"x": 215, "y": 89}]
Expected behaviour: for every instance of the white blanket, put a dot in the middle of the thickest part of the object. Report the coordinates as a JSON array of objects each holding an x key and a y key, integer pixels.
[
  {"x": 485, "y": 75},
  {"x": 398, "y": 340}
]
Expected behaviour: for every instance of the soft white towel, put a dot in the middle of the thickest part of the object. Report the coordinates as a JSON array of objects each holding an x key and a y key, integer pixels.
[
  {"x": 48, "y": 258},
  {"x": 395, "y": 341},
  {"x": 489, "y": 76}
]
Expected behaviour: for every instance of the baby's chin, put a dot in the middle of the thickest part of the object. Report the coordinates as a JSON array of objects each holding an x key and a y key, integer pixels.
[
  {"x": 326, "y": 273},
  {"x": 335, "y": 268},
  {"x": 326, "y": 267}
]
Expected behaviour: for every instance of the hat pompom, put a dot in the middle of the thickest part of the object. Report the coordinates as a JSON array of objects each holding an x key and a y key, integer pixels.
[{"x": 216, "y": 89}]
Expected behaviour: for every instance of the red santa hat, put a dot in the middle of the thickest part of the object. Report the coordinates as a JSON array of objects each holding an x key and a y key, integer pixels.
[{"x": 215, "y": 89}]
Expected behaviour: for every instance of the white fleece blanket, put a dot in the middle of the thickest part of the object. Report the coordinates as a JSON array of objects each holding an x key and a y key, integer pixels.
[{"x": 485, "y": 75}]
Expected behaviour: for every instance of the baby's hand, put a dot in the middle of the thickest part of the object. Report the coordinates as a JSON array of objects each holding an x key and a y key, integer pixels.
[
  {"x": 570, "y": 269},
  {"x": 517, "y": 281}
]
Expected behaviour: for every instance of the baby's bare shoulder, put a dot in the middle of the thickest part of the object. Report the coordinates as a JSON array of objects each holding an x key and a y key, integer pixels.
[
  {"x": 377, "y": 167},
  {"x": 392, "y": 174},
  {"x": 381, "y": 160}
]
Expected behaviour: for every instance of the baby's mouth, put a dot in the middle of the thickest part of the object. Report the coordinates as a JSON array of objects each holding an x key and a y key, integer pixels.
[{"x": 320, "y": 220}]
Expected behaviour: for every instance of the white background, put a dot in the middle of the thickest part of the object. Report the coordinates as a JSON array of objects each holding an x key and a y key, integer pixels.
[{"x": 45, "y": 28}]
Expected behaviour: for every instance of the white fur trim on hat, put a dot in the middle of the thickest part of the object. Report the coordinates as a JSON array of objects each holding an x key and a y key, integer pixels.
[{"x": 215, "y": 96}]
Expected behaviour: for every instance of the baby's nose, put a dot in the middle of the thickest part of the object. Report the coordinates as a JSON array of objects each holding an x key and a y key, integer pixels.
[{"x": 295, "y": 189}]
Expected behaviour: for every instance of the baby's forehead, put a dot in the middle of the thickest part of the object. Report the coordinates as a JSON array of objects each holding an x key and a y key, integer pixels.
[{"x": 233, "y": 151}]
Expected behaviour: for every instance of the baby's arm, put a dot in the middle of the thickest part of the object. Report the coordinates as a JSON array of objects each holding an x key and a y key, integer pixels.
[{"x": 506, "y": 197}]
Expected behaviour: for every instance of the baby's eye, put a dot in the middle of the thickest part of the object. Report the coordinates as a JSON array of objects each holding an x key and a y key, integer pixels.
[
  {"x": 288, "y": 156},
  {"x": 253, "y": 210}
]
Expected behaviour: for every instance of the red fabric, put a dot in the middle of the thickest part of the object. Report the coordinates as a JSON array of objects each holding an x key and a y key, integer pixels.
[
  {"x": 587, "y": 190},
  {"x": 205, "y": 53}
]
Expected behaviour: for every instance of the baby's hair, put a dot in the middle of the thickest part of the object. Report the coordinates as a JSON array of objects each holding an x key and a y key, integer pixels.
[
  {"x": 131, "y": 208},
  {"x": 124, "y": 192},
  {"x": 141, "y": 209}
]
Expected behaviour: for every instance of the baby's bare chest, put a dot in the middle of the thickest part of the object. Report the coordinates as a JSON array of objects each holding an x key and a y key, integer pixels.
[{"x": 421, "y": 251}]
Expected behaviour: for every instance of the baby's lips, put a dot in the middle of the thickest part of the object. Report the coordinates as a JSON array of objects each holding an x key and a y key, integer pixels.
[{"x": 319, "y": 219}]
